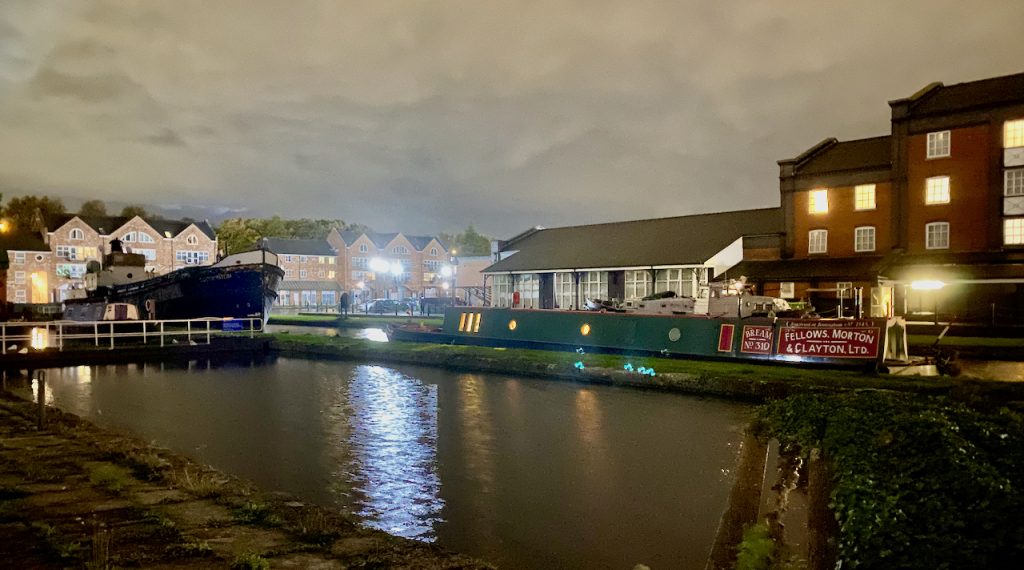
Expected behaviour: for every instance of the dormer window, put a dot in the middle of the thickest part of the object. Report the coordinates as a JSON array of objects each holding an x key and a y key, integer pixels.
[{"x": 77, "y": 234}]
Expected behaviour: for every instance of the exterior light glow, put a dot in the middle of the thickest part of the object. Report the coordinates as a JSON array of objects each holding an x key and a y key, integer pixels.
[
  {"x": 585, "y": 329},
  {"x": 446, "y": 271},
  {"x": 927, "y": 285},
  {"x": 445, "y": 285},
  {"x": 379, "y": 265},
  {"x": 396, "y": 268},
  {"x": 512, "y": 325}
]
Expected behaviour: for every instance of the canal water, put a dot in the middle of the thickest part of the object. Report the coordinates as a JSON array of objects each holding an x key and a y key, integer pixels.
[{"x": 525, "y": 473}]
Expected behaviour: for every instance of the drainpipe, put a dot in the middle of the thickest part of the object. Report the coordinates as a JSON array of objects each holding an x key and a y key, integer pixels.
[{"x": 576, "y": 282}]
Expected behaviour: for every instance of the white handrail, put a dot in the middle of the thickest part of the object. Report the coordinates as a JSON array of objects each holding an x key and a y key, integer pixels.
[{"x": 19, "y": 335}]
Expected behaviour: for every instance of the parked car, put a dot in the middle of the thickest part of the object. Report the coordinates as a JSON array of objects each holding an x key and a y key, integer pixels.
[
  {"x": 386, "y": 306},
  {"x": 436, "y": 305}
]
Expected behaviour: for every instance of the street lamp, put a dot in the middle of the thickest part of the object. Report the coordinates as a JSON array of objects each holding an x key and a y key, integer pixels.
[{"x": 380, "y": 266}]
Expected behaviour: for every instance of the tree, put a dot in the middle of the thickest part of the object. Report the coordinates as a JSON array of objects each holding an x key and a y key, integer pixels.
[
  {"x": 21, "y": 211},
  {"x": 93, "y": 208},
  {"x": 132, "y": 210},
  {"x": 469, "y": 242},
  {"x": 237, "y": 234}
]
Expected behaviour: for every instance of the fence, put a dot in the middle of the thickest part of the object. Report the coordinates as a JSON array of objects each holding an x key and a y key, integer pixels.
[{"x": 22, "y": 335}]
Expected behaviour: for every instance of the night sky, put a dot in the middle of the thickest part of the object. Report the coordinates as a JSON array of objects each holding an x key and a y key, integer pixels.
[{"x": 428, "y": 116}]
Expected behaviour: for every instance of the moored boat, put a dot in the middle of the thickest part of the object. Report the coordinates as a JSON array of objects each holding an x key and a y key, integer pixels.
[
  {"x": 242, "y": 285},
  {"x": 837, "y": 342}
]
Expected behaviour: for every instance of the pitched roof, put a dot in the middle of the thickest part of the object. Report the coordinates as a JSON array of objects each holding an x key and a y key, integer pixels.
[
  {"x": 106, "y": 224},
  {"x": 20, "y": 241},
  {"x": 420, "y": 242},
  {"x": 381, "y": 240},
  {"x": 832, "y": 155},
  {"x": 349, "y": 236},
  {"x": 939, "y": 98},
  {"x": 285, "y": 246},
  {"x": 682, "y": 240}
]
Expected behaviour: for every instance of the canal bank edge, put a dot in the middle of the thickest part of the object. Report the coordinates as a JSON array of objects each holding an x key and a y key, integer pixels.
[
  {"x": 747, "y": 381},
  {"x": 78, "y": 494}
]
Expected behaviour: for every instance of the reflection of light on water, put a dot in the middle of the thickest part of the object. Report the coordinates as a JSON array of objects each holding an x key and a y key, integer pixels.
[
  {"x": 83, "y": 374},
  {"x": 376, "y": 335},
  {"x": 477, "y": 429},
  {"x": 589, "y": 419},
  {"x": 393, "y": 425},
  {"x": 35, "y": 392}
]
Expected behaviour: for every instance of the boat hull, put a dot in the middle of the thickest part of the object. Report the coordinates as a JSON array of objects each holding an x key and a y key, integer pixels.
[
  {"x": 834, "y": 342},
  {"x": 239, "y": 291}
]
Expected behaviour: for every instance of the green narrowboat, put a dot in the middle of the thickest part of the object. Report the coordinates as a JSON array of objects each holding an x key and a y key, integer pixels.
[{"x": 836, "y": 342}]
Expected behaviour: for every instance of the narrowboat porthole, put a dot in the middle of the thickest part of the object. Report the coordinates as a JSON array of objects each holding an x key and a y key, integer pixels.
[
  {"x": 512, "y": 325},
  {"x": 585, "y": 329},
  {"x": 673, "y": 334}
]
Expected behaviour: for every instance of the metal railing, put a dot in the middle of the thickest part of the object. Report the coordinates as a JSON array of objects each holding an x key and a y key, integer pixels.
[{"x": 58, "y": 334}]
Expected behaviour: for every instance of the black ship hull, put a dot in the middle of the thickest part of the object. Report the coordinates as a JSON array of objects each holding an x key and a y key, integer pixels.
[{"x": 239, "y": 291}]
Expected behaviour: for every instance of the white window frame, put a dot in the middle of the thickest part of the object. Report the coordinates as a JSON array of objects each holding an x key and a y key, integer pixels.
[
  {"x": 19, "y": 257},
  {"x": 679, "y": 280},
  {"x": 593, "y": 285},
  {"x": 817, "y": 241},
  {"x": 433, "y": 251},
  {"x": 936, "y": 190},
  {"x": 76, "y": 234},
  {"x": 19, "y": 277},
  {"x": 128, "y": 237},
  {"x": 844, "y": 289},
  {"x": 817, "y": 201},
  {"x": 1013, "y": 231},
  {"x": 861, "y": 237},
  {"x": 929, "y": 243},
  {"x": 145, "y": 238},
  {"x": 501, "y": 288},
  {"x": 148, "y": 253},
  {"x": 787, "y": 290},
  {"x": 1013, "y": 133},
  {"x": 189, "y": 257},
  {"x": 71, "y": 270},
  {"x": 19, "y": 296},
  {"x": 565, "y": 292},
  {"x": 1013, "y": 182},
  {"x": 864, "y": 197},
  {"x": 639, "y": 283},
  {"x": 939, "y": 144},
  {"x": 302, "y": 274}
]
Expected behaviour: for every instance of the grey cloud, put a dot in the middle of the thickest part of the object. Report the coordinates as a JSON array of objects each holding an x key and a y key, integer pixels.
[
  {"x": 87, "y": 88},
  {"x": 166, "y": 137}
]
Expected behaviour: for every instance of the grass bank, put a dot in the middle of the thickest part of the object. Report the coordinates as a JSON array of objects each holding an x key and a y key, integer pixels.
[{"x": 729, "y": 379}]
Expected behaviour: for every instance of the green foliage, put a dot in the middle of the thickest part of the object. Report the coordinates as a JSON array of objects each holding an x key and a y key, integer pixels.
[
  {"x": 757, "y": 551},
  {"x": 21, "y": 211},
  {"x": 93, "y": 208},
  {"x": 469, "y": 242},
  {"x": 258, "y": 514},
  {"x": 132, "y": 210},
  {"x": 250, "y": 561},
  {"x": 920, "y": 482},
  {"x": 243, "y": 234},
  {"x": 111, "y": 477}
]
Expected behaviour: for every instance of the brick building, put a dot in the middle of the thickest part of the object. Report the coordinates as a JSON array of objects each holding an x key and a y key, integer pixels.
[
  {"x": 25, "y": 263},
  {"x": 419, "y": 260},
  {"x": 928, "y": 220},
  {"x": 167, "y": 245},
  {"x": 311, "y": 279}
]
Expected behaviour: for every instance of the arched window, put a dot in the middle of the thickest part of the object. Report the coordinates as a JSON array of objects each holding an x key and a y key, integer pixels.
[
  {"x": 77, "y": 234},
  {"x": 192, "y": 240},
  {"x": 433, "y": 251}
]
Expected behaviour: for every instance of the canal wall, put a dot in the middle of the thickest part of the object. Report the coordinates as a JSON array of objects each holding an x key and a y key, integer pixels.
[{"x": 76, "y": 495}]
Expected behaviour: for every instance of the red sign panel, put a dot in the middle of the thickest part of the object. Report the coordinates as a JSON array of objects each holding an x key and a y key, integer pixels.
[
  {"x": 829, "y": 339},
  {"x": 757, "y": 339},
  {"x": 725, "y": 338}
]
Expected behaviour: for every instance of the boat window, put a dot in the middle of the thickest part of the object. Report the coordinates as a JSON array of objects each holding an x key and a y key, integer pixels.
[
  {"x": 476, "y": 325},
  {"x": 585, "y": 329},
  {"x": 462, "y": 322},
  {"x": 512, "y": 325}
]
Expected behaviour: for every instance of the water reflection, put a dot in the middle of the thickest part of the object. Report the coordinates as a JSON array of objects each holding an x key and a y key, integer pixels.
[
  {"x": 392, "y": 427},
  {"x": 374, "y": 334},
  {"x": 524, "y": 473}
]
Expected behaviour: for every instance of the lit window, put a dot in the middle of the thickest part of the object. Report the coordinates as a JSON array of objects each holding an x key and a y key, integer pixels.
[
  {"x": 938, "y": 144},
  {"x": 787, "y": 290},
  {"x": 817, "y": 241},
  {"x": 1013, "y": 182},
  {"x": 864, "y": 239},
  {"x": 936, "y": 235},
  {"x": 1013, "y": 231},
  {"x": 77, "y": 234},
  {"x": 844, "y": 289},
  {"x": 818, "y": 202},
  {"x": 1013, "y": 133},
  {"x": 937, "y": 190},
  {"x": 512, "y": 325},
  {"x": 864, "y": 197}
]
